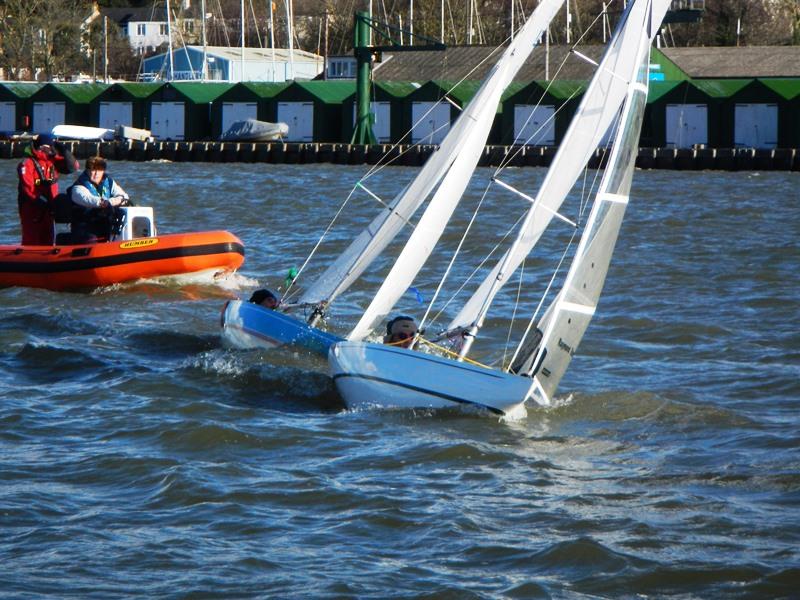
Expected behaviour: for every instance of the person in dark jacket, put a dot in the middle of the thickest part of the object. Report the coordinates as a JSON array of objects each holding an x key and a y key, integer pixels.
[
  {"x": 38, "y": 186},
  {"x": 265, "y": 298}
]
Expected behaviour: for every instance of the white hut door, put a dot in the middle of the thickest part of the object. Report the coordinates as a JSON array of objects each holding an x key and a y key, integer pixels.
[
  {"x": 237, "y": 111},
  {"x": 299, "y": 116},
  {"x": 166, "y": 120},
  {"x": 687, "y": 125},
  {"x": 431, "y": 122},
  {"x": 534, "y": 125},
  {"x": 756, "y": 126},
  {"x": 47, "y": 115},
  {"x": 382, "y": 126},
  {"x": 115, "y": 113},
  {"x": 8, "y": 116}
]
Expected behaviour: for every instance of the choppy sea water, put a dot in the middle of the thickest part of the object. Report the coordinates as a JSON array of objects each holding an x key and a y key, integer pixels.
[{"x": 140, "y": 457}]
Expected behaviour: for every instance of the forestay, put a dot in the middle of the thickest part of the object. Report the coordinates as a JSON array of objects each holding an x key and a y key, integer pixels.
[
  {"x": 460, "y": 143},
  {"x": 474, "y": 125},
  {"x": 599, "y": 107}
]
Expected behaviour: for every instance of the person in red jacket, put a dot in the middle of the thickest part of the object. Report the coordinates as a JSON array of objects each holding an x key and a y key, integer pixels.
[{"x": 38, "y": 187}]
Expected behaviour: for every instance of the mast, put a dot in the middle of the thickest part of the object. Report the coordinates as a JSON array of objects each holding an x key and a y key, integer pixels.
[
  {"x": 272, "y": 38},
  {"x": 290, "y": 31},
  {"x": 469, "y": 22},
  {"x": 204, "y": 69},
  {"x": 169, "y": 44},
  {"x": 241, "y": 60},
  {"x": 105, "y": 49},
  {"x": 441, "y": 23},
  {"x": 568, "y": 19}
]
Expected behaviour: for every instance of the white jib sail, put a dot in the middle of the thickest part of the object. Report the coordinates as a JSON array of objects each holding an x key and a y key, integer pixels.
[
  {"x": 479, "y": 115},
  {"x": 597, "y": 110},
  {"x": 382, "y": 230},
  {"x": 567, "y": 318}
]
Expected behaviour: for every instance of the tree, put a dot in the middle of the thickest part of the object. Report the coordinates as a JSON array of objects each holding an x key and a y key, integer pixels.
[
  {"x": 122, "y": 61},
  {"x": 41, "y": 38}
]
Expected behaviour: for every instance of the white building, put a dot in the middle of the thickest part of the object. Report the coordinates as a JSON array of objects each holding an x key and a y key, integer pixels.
[
  {"x": 232, "y": 64},
  {"x": 146, "y": 28}
]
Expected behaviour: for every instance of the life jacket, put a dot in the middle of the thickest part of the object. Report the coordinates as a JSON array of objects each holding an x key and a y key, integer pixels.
[
  {"x": 44, "y": 167},
  {"x": 103, "y": 190}
]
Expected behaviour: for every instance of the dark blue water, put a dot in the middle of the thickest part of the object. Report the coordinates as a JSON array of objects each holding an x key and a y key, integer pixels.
[{"x": 139, "y": 457}]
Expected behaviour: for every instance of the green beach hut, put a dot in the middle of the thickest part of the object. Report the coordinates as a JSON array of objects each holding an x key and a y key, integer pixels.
[
  {"x": 538, "y": 113},
  {"x": 63, "y": 104},
  {"x": 123, "y": 103},
  {"x": 686, "y": 115},
  {"x": 15, "y": 105},
  {"x": 788, "y": 99},
  {"x": 182, "y": 110},
  {"x": 430, "y": 116},
  {"x": 387, "y": 105},
  {"x": 313, "y": 110},
  {"x": 247, "y": 100}
]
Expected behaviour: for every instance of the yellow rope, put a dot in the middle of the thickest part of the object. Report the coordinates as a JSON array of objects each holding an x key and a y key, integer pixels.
[{"x": 451, "y": 353}]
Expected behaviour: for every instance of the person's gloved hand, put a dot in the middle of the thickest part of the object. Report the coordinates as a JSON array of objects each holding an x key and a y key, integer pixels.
[
  {"x": 59, "y": 147},
  {"x": 42, "y": 202}
]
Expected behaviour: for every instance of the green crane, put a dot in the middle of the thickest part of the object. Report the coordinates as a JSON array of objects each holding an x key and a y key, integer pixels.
[{"x": 364, "y": 53}]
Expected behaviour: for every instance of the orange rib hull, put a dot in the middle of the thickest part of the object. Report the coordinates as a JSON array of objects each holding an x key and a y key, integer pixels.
[{"x": 83, "y": 266}]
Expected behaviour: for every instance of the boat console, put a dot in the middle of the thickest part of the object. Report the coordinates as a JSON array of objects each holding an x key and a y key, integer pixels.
[{"x": 139, "y": 222}]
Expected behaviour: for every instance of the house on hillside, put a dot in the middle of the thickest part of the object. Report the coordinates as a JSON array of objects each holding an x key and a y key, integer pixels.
[{"x": 147, "y": 29}]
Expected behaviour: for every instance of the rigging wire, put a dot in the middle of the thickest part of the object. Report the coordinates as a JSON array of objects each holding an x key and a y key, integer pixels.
[
  {"x": 453, "y": 258},
  {"x": 511, "y": 156}
]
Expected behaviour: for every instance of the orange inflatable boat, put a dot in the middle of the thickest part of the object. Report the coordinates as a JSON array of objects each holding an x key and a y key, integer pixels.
[{"x": 84, "y": 266}]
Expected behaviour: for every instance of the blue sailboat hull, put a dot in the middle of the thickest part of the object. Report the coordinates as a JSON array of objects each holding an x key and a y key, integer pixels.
[{"x": 247, "y": 325}]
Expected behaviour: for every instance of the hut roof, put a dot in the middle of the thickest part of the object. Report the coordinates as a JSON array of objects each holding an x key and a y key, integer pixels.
[
  {"x": 201, "y": 92},
  {"x": 79, "y": 93},
  {"x": 473, "y": 62},
  {"x": 737, "y": 62},
  {"x": 788, "y": 88}
]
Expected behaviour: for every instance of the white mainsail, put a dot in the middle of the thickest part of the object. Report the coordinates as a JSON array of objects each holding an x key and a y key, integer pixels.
[
  {"x": 598, "y": 108},
  {"x": 382, "y": 230},
  {"x": 567, "y": 318},
  {"x": 478, "y": 116}
]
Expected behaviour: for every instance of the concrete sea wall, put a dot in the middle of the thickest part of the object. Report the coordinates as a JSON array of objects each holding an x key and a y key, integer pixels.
[{"x": 725, "y": 159}]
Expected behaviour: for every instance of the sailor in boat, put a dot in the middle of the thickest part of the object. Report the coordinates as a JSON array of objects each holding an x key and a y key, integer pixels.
[
  {"x": 265, "y": 298},
  {"x": 401, "y": 331},
  {"x": 95, "y": 196},
  {"x": 38, "y": 187}
]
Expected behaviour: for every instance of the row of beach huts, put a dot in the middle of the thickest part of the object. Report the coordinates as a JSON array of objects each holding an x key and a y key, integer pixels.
[{"x": 717, "y": 113}]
